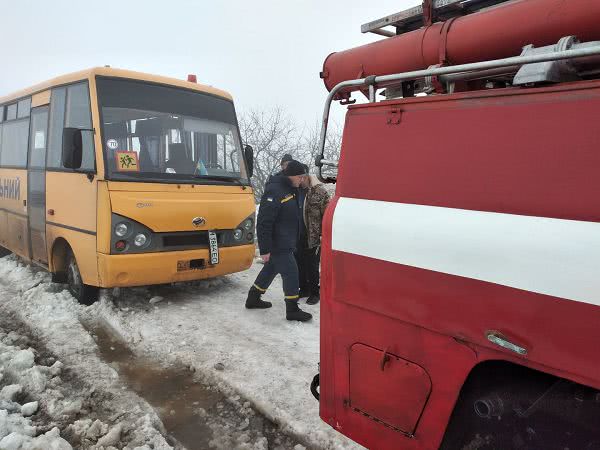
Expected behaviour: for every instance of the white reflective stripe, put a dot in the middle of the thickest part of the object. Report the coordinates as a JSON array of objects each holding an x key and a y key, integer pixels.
[{"x": 555, "y": 257}]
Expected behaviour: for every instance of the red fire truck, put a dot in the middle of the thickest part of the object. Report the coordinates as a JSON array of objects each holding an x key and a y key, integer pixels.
[{"x": 461, "y": 252}]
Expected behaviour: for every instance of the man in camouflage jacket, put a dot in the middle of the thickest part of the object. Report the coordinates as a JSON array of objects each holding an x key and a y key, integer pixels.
[{"x": 315, "y": 202}]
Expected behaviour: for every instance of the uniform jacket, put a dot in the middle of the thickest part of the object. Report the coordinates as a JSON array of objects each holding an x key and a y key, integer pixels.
[
  {"x": 315, "y": 203},
  {"x": 278, "y": 220}
]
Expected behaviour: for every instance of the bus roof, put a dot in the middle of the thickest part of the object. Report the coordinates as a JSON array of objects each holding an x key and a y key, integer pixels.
[{"x": 111, "y": 72}]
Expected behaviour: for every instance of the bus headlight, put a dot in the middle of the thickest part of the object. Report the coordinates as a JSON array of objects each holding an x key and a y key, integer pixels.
[
  {"x": 243, "y": 234},
  {"x": 140, "y": 240},
  {"x": 129, "y": 236},
  {"x": 121, "y": 229}
]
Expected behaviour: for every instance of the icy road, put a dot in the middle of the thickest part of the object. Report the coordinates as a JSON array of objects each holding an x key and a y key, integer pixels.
[{"x": 182, "y": 366}]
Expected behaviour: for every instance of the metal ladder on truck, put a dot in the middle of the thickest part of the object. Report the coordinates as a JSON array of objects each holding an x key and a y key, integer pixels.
[{"x": 428, "y": 12}]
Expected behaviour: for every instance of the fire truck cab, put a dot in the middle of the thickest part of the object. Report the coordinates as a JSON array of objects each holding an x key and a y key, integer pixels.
[{"x": 461, "y": 252}]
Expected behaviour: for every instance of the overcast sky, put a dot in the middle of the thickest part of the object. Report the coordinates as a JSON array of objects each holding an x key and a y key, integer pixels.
[{"x": 264, "y": 52}]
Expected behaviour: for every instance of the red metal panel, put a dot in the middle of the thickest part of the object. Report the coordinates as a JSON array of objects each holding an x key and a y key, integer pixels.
[
  {"x": 448, "y": 363},
  {"x": 495, "y": 33},
  {"x": 561, "y": 335},
  {"x": 534, "y": 152},
  {"x": 529, "y": 152},
  {"x": 387, "y": 388},
  {"x": 429, "y": 318}
]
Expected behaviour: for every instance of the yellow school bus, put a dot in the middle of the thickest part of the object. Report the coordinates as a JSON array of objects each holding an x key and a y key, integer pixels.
[{"x": 115, "y": 178}]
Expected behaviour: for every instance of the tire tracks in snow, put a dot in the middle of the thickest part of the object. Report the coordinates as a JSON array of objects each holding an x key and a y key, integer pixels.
[
  {"x": 266, "y": 360},
  {"x": 50, "y": 317}
]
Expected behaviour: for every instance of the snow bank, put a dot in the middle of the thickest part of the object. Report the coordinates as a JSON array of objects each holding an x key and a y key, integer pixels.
[
  {"x": 257, "y": 355},
  {"x": 78, "y": 402},
  {"x": 16, "y": 429}
]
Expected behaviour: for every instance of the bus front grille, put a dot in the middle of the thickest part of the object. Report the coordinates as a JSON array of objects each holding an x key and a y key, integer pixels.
[{"x": 197, "y": 239}]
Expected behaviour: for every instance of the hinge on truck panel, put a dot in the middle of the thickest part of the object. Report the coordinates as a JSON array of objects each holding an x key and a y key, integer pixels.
[
  {"x": 394, "y": 117},
  {"x": 381, "y": 422},
  {"x": 347, "y": 100}
]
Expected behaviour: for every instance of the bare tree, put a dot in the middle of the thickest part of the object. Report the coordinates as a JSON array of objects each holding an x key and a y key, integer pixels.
[
  {"x": 272, "y": 134},
  {"x": 333, "y": 144}
]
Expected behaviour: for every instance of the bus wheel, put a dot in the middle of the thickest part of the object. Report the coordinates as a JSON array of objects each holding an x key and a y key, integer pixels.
[
  {"x": 84, "y": 293},
  {"x": 4, "y": 252}
]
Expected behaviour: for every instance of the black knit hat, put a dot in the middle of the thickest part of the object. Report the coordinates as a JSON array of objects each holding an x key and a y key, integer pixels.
[
  {"x": 287, "y": 157},
  {"x": 294, "y": 168}
]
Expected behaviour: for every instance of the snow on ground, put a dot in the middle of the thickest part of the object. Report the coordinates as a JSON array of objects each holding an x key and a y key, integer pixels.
[
  {"x": 264, "y": 358},
  {"x": 255, "y": 356},
  {"x": 48, "y": 358}
]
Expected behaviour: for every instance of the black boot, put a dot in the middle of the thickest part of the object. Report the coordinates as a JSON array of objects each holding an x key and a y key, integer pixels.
[
  {"x": 293, "y": 312},
  {"x": 304, "y": 293},
  {"x": 313, "y": 299},
  {"x": 254, "y": 301}
]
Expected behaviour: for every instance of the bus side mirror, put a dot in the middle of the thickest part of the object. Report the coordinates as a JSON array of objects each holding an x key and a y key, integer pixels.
[
  {"x": 249, "y": 156},
  {"x": 72, "y": 149}
]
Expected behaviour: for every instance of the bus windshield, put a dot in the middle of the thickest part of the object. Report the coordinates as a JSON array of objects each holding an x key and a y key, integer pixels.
[{"x": 160, "y": 133}]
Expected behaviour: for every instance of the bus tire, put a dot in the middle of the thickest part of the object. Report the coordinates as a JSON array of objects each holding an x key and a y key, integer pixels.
[
  {"x": 85, "y": 294},
  {"x": 4, "y": 252},
  {"x": 59, "y": 277}
]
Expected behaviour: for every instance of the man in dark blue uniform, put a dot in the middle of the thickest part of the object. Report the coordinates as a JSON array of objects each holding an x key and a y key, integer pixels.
[
  {"x": 285, "y": 160},
  {"x": 277, "y": 229}
]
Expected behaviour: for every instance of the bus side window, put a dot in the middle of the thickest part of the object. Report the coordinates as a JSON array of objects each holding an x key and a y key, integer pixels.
[
  {"x": 78, "y": 115},
  {"x": 24, "y": 108},
  {"x": 11, "y": 112},
  {"x": 1, "y": 120},
  {"x": 57, "y": 120},
  {"x": 15, "y": 135}
]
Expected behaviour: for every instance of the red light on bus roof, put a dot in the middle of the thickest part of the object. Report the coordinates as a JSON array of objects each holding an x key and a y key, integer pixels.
[{"x": 192, "y": 78}]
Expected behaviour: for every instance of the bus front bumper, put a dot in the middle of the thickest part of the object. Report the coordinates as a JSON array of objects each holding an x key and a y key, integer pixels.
[{"x": 168, "y": 267}]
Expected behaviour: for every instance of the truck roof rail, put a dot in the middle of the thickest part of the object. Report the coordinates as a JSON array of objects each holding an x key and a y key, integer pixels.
[
  {"x": 584, "y": 50},
  {"x": 419, "y": 16}
]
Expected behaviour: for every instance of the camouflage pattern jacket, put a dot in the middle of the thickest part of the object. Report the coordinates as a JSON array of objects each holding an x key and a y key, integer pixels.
[{"x": 315, "y": 203}]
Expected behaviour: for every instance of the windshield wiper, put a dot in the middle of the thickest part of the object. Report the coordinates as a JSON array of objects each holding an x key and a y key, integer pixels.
[{"x": 219, "y": 178}]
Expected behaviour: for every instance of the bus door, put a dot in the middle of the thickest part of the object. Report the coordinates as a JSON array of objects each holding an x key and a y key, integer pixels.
[
  {"x": 71, "y": 192},
  {"x": 36, "y": 184}
]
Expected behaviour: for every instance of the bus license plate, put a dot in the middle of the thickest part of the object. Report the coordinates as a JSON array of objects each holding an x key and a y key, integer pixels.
[{"x": 214, "y": 247}]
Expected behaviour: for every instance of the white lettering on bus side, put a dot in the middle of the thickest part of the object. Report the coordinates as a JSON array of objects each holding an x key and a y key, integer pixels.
[{"x": 10, "y": 188}]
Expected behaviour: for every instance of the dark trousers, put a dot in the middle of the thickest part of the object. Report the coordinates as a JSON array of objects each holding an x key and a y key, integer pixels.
[
  {"x": 308, "y": 260},
  {"x": 285, "y": 265}
]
